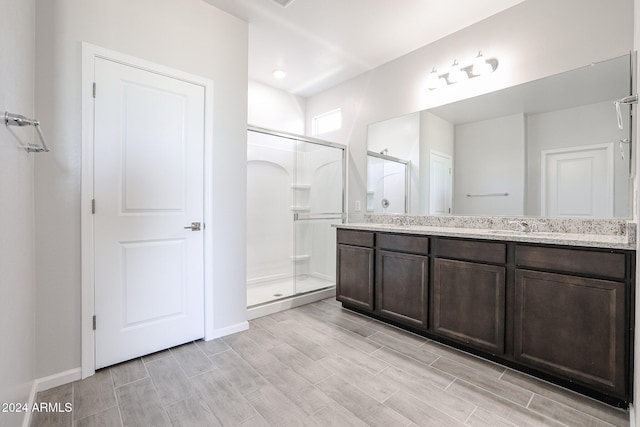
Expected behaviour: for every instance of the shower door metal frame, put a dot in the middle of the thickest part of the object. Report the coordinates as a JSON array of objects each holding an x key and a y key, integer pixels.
[
  {"x": 407, "y": 180},
  {"x": 317, "y": 142}
]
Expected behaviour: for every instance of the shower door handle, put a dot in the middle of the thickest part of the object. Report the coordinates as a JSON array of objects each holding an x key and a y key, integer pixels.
[{"x": 195, "y": 226}]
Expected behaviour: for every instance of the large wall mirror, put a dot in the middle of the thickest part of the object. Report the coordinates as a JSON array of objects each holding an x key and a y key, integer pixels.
[{"x": 551, "y": 147}]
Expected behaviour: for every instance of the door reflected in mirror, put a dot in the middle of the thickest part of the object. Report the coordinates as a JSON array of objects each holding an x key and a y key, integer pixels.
[{"x": 550, "y": 147}]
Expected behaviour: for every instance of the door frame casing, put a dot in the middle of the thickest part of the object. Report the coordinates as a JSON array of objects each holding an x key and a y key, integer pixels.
[{"x": 87, "y": 242}]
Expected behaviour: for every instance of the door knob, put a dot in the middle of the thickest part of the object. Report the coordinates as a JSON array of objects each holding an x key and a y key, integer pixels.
[{"x": 195, "y": 226}]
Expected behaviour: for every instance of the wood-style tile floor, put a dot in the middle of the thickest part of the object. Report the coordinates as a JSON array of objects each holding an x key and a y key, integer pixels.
[{"x": 318, "y": 365}]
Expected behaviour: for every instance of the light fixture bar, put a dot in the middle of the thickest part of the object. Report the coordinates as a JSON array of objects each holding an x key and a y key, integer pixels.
[{"x": 480, "y": 66}]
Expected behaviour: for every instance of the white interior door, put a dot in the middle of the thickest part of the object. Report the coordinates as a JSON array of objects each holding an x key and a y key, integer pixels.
[
  {"x": 578, "y": 182},
  {"x": 148, "y": 186},
  {"x": 440, "y": 183}
]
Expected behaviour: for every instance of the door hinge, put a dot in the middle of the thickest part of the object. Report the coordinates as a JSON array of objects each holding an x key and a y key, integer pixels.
[
  {"x": 94, "y": 89},
  {"x": 94, "y": 322},
  {"x": 93, "y": 206}
]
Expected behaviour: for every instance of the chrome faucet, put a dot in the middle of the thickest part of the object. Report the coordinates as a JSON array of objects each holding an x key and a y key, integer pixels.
[{"x": 400, "y": 220}]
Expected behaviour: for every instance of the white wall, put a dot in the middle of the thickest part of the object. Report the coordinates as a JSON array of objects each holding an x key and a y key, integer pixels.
[
  {"x": 275, "y": 109},
  {"x": 532, "y": 39},
  {"x": 585, "y": 125},
  {"x": 489, "y": 158},
  {"x": 400, "y": 136},
  {"x": 17, "y": 283},
  {"x": 187, "y": 35}
]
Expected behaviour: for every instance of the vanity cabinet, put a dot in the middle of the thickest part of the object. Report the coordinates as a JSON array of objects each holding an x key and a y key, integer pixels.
[
  {"x": 402, "y": 274},
  {"x": 562, "y": 313},
  {"x": 469, "y": 294},
  {"x": 355, "y": 268},
  {"x": 572, "y": 322}
]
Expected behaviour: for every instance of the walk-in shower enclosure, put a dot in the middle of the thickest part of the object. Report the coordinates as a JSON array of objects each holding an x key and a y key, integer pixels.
[{"x": 295, "y": 192}]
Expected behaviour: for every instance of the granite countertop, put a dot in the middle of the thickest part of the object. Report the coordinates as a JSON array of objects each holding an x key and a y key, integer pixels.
[{"x": 608, "y": 241}]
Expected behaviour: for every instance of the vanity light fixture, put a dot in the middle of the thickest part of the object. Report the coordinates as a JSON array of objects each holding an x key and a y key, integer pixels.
[
  {"x": 434, "y": 81},
  {"x": 481, "y": 66},
  {"x": 279, "y": 74},
  {"x": 458, "y": 73},
  {"x": 455, "y": 74}
]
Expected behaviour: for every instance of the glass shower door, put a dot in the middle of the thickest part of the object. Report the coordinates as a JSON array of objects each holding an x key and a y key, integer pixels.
[
  {"x": 270, "y": 236},
  {"x": 318, "y": 204},
  {"x": 387, "y": 184},
  {"x": 295, "y": 192}
]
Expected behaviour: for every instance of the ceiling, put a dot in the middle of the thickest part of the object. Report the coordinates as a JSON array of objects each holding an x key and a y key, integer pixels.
[{"x": 321, "y": 43}]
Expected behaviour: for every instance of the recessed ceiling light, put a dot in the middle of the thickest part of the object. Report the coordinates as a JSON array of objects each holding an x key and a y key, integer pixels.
[{"x": 279, "y": 74}]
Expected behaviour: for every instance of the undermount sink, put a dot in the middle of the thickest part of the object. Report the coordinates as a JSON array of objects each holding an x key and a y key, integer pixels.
[
  {"x": 525, "y": 233},
  {"x": 509, "y": 232}
]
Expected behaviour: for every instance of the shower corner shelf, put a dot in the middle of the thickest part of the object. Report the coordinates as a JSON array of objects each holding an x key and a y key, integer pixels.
[
  {"x": 301, "y": 208},
  {"x": 300, "y": 258},
  {"x": 301, "y": 186}
]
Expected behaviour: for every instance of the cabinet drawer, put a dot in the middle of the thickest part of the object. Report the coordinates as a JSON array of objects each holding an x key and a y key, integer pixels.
[
  {"x": 403, "y": 243},
  {"x": 355, "y": 238},
  {"x": 597, "y": 263},
  {"x": 471, "y": 250}
]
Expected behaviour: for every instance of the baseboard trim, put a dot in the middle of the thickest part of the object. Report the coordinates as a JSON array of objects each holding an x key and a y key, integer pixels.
[
  {"x": 223, "y": 332},
  {"x": 276, "y": 306},
  {"x": 32, "y": 398},
  {"x": 55, "y": 380},
  {"x": 45, "y": 383}
]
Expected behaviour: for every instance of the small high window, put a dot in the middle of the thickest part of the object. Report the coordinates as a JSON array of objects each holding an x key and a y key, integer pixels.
[{"x": 327, "y": 122}]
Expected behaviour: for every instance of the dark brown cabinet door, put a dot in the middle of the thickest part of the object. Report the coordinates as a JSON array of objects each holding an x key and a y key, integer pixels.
[
  {"x": 573, "y": 327},
  {"x": 469, "y": 303},
  {"x": 354, "y": 284},
  {"x": 401, "y": 287}
]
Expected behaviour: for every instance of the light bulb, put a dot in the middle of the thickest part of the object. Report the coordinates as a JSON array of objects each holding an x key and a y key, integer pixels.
[
  {"x": 455, "y": 74},
  {"x": 433, "y": 81},
  {"x": 279, "y": 74},
  {"x": 480, "y": 65}
]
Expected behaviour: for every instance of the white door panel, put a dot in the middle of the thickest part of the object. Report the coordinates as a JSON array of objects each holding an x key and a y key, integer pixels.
[
  {"x": 161, "y": 188},
  {"x": 578, "y": 182},
  {"x": 440, "y": 183},
  {"x": 148, "y": 185}
]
